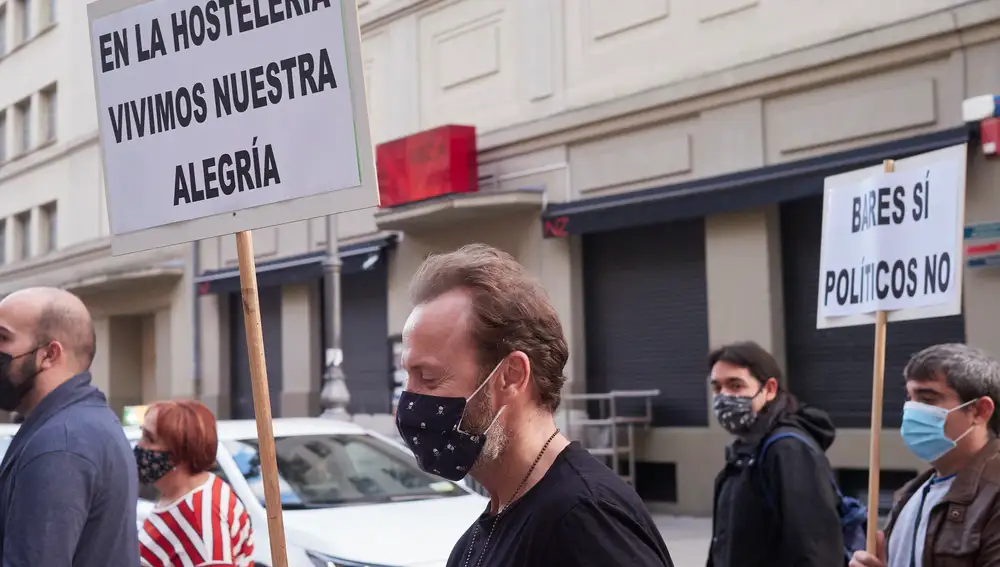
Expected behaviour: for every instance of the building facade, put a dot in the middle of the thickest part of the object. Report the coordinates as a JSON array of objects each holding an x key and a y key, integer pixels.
[
  {"x": 53, "y": 218},
  {"x": 658, "y": 165},
  {"x": 669, "y": 203}
]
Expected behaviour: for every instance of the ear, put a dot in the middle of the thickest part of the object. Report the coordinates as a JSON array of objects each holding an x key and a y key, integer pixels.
[
  {"x": 516, "y": 374},
  {"x": 984, "y": 410},
  {"x": 771, "y": 389},
  {"x": 52, "y": 355}
]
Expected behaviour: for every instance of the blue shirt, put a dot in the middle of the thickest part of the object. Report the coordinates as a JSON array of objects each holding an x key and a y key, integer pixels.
[
  {"x": 68, "y": 485},
  {"x": 905, "y": 547}
]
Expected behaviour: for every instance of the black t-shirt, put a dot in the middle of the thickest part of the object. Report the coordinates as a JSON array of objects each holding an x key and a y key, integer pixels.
[{"x": 580, "y": 514}]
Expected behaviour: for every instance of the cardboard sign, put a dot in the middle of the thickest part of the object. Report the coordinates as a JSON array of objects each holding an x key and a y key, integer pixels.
[
  {"x": 218, "y": 116},
  {"x": 893, "y": 241}
]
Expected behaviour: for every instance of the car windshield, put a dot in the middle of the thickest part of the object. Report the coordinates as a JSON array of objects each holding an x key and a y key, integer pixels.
[{"x": 320, "y": 471}]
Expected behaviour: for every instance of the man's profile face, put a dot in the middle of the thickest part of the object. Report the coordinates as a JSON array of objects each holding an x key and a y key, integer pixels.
[
  {"x": 17, "y": 338},
  {"x": 441, "y": 359}
]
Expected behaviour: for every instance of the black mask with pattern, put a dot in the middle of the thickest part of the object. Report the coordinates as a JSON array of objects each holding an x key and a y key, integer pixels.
[
  {"x": 735, "y": 413},
  {"x": 152, "y": 465},
  {"x": 431, "y": 428}
]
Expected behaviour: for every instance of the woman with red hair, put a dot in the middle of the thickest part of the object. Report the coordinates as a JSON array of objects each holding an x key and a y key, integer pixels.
[{"x": 198, "y": 520}]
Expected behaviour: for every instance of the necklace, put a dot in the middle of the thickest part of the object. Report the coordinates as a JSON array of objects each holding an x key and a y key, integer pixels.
[{"x": 513, "y": 498}]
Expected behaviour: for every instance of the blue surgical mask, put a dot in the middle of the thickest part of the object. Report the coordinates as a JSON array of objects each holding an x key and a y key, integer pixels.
[{"x": 923, "y": 430}]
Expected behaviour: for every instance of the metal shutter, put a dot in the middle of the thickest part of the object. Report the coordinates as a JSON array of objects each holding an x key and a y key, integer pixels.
[
  {"x": 241, "y": 393},
  {"x": 365, "y": 323},
  {"x": 646, "y": 316},
  {"x": 832, "y": 368}
]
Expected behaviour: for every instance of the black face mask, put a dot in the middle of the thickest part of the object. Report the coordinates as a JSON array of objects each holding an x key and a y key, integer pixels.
[
  {"x": 431, "y": 428},
  {"x": 152, "y": 465},
  {"x": 11, "y": 394}
]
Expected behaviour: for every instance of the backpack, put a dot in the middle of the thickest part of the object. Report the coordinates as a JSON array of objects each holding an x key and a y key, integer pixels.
[{"x": 853, "y": 514}]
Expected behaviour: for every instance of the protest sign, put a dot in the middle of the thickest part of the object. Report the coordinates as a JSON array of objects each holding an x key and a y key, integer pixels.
[
  {"x": 221, "y": 116},
  {"x": 224, "y": 115},
  {"x": 891, "y": 250},
  {"x": 893, "y": 241}
]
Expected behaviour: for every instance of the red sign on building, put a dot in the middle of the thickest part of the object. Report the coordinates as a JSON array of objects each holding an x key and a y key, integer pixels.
[{"x": 428, "y": 164}]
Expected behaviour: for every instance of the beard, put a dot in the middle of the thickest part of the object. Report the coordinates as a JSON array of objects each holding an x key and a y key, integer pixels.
[
  {"x": 18, "y": 383},
  {"x": 479, "y": 418}
]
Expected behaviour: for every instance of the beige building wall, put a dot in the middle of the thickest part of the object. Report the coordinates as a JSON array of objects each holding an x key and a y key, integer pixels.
[{"x": 567, "y": 100}]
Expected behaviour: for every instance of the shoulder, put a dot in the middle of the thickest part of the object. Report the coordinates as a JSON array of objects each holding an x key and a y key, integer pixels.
[
  {"x": 55, "y": 439},
  {"x": 222, "y": 497},
  {"x": 85, "y": 430},
  {"x": 790, "y": 444},
  {"x": 588, "y": 489}
]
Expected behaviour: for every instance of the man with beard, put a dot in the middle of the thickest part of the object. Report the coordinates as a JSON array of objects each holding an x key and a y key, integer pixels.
[
  {"x": 68, "y": 482},
  {"x": 484, "y": 352}
]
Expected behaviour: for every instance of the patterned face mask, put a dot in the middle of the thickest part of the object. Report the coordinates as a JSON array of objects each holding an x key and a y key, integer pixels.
[
  {"x": 431, "y": 428},
  {"x": 735, "y": 413},
  {"x": 152, "y": 465}
]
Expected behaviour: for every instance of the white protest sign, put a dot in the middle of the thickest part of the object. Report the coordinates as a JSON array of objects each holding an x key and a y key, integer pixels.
[
  {"x": 218, "y": 116},
  {"x": 893, "y": 241}
]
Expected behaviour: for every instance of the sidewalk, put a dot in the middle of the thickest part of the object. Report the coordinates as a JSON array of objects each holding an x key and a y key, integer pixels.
[{"x": 686, "y": 538}]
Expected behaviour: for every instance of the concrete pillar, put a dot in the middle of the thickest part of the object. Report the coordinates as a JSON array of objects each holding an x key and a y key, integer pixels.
[
  {"x": 100, "y": 368},
  {"x": 982, "y": 285},
  {"x": 300, "y": 352},
  {"x": 215, "y": 353}
]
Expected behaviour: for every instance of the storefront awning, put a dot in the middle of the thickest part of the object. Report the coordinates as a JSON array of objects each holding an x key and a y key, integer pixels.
[
  {"x": 731, "y": 192},
  {"x": 304, "y": 268},
  {"x": 457, "y": 208}
]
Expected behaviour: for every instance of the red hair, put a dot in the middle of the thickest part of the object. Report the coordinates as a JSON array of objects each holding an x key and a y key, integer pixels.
[{"x": 186, "y": 428}]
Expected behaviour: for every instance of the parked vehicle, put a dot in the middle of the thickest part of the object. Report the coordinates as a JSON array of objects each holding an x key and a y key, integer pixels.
[{"x": 350, "y": 497}]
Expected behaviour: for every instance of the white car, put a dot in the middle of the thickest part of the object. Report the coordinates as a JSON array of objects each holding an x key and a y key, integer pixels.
[{"x": 350, "y": 497}]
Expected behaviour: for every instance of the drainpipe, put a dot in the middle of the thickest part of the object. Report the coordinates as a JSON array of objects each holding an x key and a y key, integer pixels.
[
  {"x": 196, "y": 308},
  {"x": 334, "y": 396}
]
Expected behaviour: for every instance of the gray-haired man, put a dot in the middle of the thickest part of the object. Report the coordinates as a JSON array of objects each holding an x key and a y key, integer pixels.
[{"x": 949, "y": 515}]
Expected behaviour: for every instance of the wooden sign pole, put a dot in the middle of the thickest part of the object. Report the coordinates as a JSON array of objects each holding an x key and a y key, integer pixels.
[
  {"x": 261, "y": 398},
  {"x": 874, "y": 456}
]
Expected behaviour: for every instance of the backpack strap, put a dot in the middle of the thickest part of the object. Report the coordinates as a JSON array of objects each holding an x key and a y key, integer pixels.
[{"x": 809, "y": 443}]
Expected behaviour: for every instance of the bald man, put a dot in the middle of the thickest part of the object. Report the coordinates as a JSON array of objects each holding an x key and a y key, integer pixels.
[{"x": 68, "y": 482}]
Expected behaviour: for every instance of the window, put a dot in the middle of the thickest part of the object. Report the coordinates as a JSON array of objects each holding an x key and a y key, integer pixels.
[
  {"x": 317, "y": 471},
  {"x": 49, "y": 114},
  {"x": 23, "y": 226},
  {"x": 3, "y": 136},
  {"x": 3, "y": 241},
  {"x": 22, "y": 110},
  {"x": 50, "y": 226},
  {"x": 3, "y": 30},
  {"x": 49, "y": 7},
  {"x": 23, "y": 20}
]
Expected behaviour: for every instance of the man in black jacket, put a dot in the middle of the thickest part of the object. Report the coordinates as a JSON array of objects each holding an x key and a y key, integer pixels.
[{"x": 781, "y": 509}]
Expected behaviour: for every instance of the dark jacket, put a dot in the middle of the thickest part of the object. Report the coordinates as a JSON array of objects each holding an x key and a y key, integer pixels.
[
  {"x": 782, "y": 511},
  {"x": 68, "y": 485},
  {"x": 963, "y": 529}
]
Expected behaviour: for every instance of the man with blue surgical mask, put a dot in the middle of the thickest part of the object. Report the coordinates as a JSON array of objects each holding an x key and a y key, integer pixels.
[{"x": 949, "y": 516}]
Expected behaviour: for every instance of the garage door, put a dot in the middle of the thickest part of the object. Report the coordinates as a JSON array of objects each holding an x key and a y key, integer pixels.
[
  {"x": 832, "y": 368},
  {"x": 646, "y": 316},
  {"x": 365, "y": 324},
  {"x": 241, "y": 394}
]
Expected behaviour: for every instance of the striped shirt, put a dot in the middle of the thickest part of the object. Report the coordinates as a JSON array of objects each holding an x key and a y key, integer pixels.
[{"x": 208, "y": 526}]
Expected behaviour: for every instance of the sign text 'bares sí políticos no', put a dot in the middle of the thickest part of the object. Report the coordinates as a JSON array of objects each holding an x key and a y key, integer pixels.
[{"x": 891, "y": 242}]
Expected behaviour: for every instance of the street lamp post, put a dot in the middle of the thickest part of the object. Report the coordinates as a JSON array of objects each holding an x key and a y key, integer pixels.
[{"x": 334, "y": 396}]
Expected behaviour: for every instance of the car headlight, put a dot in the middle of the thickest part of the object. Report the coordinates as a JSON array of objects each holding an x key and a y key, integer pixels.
[{"x": 321, "y": 560}]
